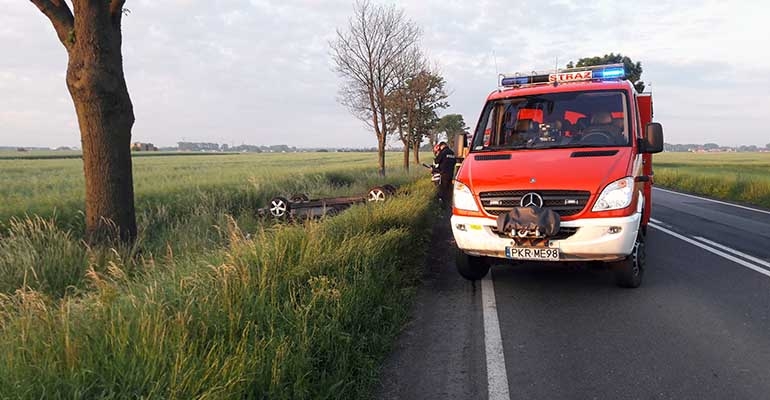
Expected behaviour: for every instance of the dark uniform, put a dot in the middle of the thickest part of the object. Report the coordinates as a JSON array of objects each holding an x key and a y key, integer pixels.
[{"x": 445, "y": 163}]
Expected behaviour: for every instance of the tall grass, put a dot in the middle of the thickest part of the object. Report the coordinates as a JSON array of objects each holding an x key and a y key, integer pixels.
[
  {"x": 741, "y": 177},
  {"x": 267, "y": 312}
]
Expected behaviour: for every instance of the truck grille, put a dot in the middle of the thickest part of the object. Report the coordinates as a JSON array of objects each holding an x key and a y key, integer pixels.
[
  {"x": 563, "y": 202},
  {"x": 564, "y": 232}
]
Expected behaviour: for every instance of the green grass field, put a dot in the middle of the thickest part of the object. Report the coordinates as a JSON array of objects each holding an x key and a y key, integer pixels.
[
  {"x": 211, "y": 302},
  {"x": 739, "y": 177}
]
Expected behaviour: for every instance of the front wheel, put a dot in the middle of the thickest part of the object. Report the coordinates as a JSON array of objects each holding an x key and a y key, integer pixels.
[
  {"x": 470, "y": 267},
  {"x": 629, "y": 272}
]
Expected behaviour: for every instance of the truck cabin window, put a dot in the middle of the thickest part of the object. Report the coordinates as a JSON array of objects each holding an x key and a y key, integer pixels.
[{"x": 572, "y": 119}]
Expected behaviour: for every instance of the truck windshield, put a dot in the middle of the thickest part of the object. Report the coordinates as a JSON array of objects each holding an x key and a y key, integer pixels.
[{"x": 572, "y": 119}]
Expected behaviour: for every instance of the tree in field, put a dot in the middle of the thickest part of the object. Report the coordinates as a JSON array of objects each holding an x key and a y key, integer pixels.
[
  {"x": 90, "y": 32},
  {"x": 449, "y": 125},
  {"x": 767, "y": 146},
  {"x": 413, "y": 109},
  {"x": 633, "y": 69},
  {"x": 375, "y": 55}
]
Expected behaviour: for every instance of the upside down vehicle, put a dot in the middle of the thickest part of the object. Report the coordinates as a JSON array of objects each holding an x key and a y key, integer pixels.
[{"x": 559, "y": 169}]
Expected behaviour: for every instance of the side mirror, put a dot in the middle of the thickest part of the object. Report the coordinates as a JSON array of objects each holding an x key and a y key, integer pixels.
[{"x": 653, "y": 139}]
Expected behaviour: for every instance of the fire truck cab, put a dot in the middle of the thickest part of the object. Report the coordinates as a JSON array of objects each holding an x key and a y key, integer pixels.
[{"x": 559, "y": 169}]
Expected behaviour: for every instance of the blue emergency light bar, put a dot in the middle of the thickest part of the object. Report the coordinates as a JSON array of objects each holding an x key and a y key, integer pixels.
[
  {"x": 610, "y": 72},
  {"x": 599, "y": 72}
]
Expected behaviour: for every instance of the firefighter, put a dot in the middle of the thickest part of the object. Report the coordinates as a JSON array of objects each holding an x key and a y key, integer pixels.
[{"x": 445, "y": 163}]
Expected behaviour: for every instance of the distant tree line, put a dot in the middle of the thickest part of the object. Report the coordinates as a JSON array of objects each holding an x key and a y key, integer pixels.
[
  {"x": 203, "y": 146},
  {"x": 712, "y": 147}
]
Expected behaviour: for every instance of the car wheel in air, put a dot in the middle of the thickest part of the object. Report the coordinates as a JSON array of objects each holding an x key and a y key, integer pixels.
[
  {"x": 279, "y": 207},
  {"x": 376, "y": 194},
  {"x": 390, "y": 189},
  {"x": 299, "y": 198}
]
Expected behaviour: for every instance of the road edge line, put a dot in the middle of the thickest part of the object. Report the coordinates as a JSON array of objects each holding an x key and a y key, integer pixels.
[
  {"x": 497, "y": 377},
  {"x": 712, "y": 250},
  {"x": 738, "y": 253},
  {"x": 713, "y": 200}
]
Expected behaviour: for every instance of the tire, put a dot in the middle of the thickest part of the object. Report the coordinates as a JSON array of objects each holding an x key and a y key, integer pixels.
[
  {"x": 299, "y": 198},
  {"x": 629, "y": 272},
  {"x": 279, "y": 207},
  {"x": 376, "y": 194},
  {"x": 390, "y": 189},
  {"x": 471, "y": 268}
]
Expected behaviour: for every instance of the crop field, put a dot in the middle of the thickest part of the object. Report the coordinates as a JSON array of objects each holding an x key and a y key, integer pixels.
[
  {"x": 212, "y": 301},
  {"x": 739, "y": 177}
]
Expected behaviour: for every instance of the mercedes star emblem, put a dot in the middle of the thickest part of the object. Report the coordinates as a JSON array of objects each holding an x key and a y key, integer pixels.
[{"x": 531, "y": 199}]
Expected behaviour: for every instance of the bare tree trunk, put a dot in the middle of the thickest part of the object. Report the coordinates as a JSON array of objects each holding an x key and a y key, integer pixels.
[
  {"x": 383, "y": 131},
  {"x": 416, "y": 152},
  {"x": 381, "y": 154},
  {"x": 380, "y": 133},
  {"x": 405, "y": 141},
  {"x": 91, "y": 34},
  {"x": 105, "y": 114}
]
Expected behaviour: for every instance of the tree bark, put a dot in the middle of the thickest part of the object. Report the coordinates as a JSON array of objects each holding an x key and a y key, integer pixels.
[
  {"x": 383, "y": 131},
  {"x": 97, "y": 85},
  {"x": 381, "y": 155},
  {"x": 416, "y": 152},
  {"x": 406, "y": 157}
]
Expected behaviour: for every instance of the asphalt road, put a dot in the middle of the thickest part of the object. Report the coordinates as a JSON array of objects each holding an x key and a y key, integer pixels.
[{"x": 698, "y": 328}]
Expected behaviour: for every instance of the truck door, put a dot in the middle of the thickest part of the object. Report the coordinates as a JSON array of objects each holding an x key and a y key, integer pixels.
[{"x": 644, "y": 101}]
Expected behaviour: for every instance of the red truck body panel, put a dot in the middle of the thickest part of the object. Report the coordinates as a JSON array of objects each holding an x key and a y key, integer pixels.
[{"x": 644, "y": 101}]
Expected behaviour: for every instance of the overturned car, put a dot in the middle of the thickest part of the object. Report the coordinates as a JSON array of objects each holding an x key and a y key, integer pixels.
[{"x": 300, "y": 206}]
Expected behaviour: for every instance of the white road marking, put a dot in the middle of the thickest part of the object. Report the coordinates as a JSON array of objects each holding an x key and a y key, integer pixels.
[
  {"x": 712, "y": 250},
  {"x": 736, "y": 252},
  {"x": 714, "y": 201},
  {"x": 497, "y": 377},
  {"x": 661, "y": 223}
]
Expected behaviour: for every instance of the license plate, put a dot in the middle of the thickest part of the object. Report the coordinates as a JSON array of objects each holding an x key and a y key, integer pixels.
[{"x": 532, "y": 253}]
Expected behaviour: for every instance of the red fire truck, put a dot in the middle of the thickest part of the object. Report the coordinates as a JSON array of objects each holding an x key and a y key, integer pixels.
[{"x": 559, "y": 169}]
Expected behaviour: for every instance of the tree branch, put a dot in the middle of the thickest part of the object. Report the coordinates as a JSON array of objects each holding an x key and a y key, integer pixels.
[{"x": 60, "y": 15}]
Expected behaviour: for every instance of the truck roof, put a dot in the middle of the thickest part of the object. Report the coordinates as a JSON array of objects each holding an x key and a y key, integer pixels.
[{"x": 528, "y": 90}]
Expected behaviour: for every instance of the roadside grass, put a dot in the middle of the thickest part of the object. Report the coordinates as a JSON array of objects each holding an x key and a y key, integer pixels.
[
  {"x": 738, "y": 177},
  {"x": 220, "y": 306}
]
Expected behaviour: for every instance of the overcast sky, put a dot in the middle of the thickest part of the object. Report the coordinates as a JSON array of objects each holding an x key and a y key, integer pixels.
[{"x": 259, "y": 72}]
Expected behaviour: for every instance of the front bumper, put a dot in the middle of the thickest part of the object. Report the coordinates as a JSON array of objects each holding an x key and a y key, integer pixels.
[{"x": 604, "y": 239}]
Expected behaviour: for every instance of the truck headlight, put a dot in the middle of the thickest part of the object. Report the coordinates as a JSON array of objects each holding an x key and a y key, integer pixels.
[
  {"x": 462, "y": 198},
  {"x": 616, "y": 195}
]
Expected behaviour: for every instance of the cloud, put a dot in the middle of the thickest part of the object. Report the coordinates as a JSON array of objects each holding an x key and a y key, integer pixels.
[{"x": 259, "y": 72}]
